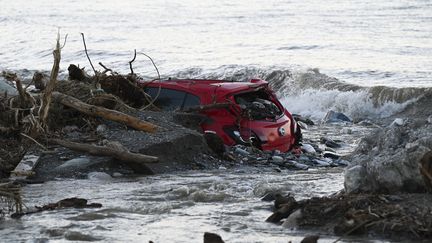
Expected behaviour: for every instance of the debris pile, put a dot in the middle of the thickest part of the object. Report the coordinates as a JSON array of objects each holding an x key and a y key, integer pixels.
[{"x": 405, "y": 215}]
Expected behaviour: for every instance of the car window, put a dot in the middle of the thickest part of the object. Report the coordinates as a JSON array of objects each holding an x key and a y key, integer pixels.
[
  {"x": 168, "y": 99},
  {"x": 191, "y": 100}
]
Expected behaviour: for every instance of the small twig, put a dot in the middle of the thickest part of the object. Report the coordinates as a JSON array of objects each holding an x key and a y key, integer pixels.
[
  {"x": 154, "y": 65},
  {"x": 159, "y": 78},
  {"x": 36, "y": 142},
  {"x": 64, "y": 43},
  {"x": 131, "y": 61},
  {"x": 106, "y": 69},
  {"x": 85, "y": 49}
]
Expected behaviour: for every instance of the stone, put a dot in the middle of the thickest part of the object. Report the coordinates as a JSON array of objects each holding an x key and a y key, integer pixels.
[
  {"x": 397, "y": 122},
  {"x": 308, "y": 148},
  {"x": 321, "y": 163},
  {"x": 291, "y": 221},
  {"x": 298, "y": 165},
  {"x": 329, "y": 142},
  {"x": 212, "y": 238},
  {"x": 353, "y": 178},
  {"x": 333, "y": 117},
  {"x": 277, "y": 158},
  {"x": 388, "y": 160},
  {"x": 331, "y": 155}
]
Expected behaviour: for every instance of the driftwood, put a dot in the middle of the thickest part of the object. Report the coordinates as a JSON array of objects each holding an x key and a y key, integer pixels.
[
  {"x": 46, "y": 98},
  {"x": 112, "y": 149},
  {"x": 108, "y": 114}
]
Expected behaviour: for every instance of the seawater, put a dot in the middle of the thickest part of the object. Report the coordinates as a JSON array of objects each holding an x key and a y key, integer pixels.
[{"x": 363, "y": 44}]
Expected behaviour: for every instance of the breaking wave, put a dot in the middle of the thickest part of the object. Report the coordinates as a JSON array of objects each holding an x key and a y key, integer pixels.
[{"x": 313, "y": 94}]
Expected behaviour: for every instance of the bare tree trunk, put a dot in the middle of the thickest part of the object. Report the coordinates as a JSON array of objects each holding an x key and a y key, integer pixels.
[{"x": 105, "y": 113}]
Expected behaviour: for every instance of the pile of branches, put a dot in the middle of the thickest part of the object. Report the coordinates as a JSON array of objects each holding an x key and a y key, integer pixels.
[{"x": 107, "y": 95}]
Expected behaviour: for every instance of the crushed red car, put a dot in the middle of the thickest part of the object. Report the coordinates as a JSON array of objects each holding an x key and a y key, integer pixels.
[{"x": 245, "y": 113}]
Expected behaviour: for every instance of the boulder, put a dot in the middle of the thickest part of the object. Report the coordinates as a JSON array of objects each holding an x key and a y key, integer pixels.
[{"x": 388, "y": 160}]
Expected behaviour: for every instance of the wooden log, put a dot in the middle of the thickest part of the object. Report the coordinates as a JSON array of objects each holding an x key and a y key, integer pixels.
[
  {"x": 112, "y": 149},
  {"x": 105, "y": 113}
]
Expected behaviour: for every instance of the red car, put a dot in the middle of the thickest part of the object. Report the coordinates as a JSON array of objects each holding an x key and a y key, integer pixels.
[{"x": 238, "y": 112}]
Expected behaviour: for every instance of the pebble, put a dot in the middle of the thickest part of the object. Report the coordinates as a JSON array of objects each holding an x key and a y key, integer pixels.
[
  {"x": 101, "y": 128},
  {"x": 308, "y": 148},
  {"x": 397, "y": 122},
  {"x": 331, "y": 155},
  {"x": 342, "y": 162},
  {"x": 298, "y": 165},
  {"x": 277, "y": 158},
  {"x": 321, "y": 163}
]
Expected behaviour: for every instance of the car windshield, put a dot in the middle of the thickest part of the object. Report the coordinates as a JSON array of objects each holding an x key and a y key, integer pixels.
[{"x": 258, "y": 105}]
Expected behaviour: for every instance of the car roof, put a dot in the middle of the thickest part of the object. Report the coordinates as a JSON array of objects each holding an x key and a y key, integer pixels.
[{"x": 197, "y": 86}]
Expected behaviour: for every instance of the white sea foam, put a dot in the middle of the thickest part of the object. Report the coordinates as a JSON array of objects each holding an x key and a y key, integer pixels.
[{"x": 357, "y": 105}]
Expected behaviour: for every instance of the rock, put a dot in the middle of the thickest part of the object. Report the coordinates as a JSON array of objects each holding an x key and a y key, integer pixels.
[
  {"x": 397, "y": 122},
  {"x": 215, "y": 143},
  {"x": 330, "y": 155},
  {"x": 321, "y": 163},
  {"x": 388, "y": 160},
  {"x": 354, "y": 178},
  {"x": 302, "y": 125},
  {"x": 277, "y": 158},
  {"x": 117, "y": 174},
  {"x": 291, "y": 221},
  {"x": 329, "y": 142},
  {"x": 333, "y": 116},
  {"x": 298, "y": 165},
  {"x": 40, "y": 80},
  {"x": 284, "y": 211},
  {"x": 281, "y": 200},
  {"x": 342, "y": 162},
  {"x": 212, "y": 238},
  {"x": 310, "y": 239},
  {"x": 303, "y": 119},
  {"x": 430, "y": 119},
  {"x": 308, "y": 148},
  {"x": 98, "y": 176},
  {"x": 77, "y": 236},
  {"x": 74, "y": 164}
]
